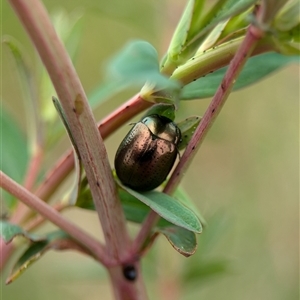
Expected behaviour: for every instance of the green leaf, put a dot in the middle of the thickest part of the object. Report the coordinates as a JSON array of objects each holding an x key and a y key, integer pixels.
[
  {"x": 135, "y": 65},
  {"x": 84, "y": 196},
  {"x": 288, "y": 17},
  {"x": 57, "y": 240},
  {"x": 30, "y": 95},
  {"x": 181, "y": 195},
  {"x": 255, "y": 69},
  {"x": 187, "y": 128},
  {"x": 13, "y": 152},
  {"x": 169, "y": 208},
  {"x": 182, "y": 240},
  {"x": 9, "y": 231},
  {"x": 287, "y": 45},
  {"x": 212, "y": 37},
  {"x": 189, "y": 19},
  {"x": 195, "y": 24},
  {"x": 162, "y": 109},
  {"x": 136, "y": 211}
]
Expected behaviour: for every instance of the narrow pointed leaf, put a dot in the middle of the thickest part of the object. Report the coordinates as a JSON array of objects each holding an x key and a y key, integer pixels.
[
  {"x": 57, "y": 240},
  {"x": 9, "y": 231},
  {"x": 212, "y": 38},
  {"x": 75, "y": 190},
  {"x": 190, "y": 17},
  {"x": 30, "y": 95}
]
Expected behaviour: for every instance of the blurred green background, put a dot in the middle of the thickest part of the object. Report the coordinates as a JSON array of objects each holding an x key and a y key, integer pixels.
[{"x": 244, "y": 180}]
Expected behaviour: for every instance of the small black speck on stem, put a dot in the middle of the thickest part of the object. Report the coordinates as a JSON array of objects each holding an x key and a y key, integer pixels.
[{"x": 130, "y": 272}]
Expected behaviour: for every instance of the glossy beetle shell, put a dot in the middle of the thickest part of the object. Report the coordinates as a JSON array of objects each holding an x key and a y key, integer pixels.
[{"x": 148, "y": 152}]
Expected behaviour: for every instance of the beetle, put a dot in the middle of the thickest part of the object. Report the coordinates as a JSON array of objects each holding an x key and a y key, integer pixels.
[{"x": 147, "y": 153}]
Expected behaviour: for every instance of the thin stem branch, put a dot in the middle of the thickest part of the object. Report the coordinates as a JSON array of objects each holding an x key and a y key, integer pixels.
[
  {"x": 39, "y": 219},
  {"x": 56, "y": 218},
  {"x": 251, "y": 39},
  {"x": 22, "y": 210}
]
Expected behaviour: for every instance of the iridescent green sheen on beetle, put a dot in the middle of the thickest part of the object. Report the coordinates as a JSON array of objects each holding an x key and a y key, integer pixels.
[{"x": 148, "y": 152}]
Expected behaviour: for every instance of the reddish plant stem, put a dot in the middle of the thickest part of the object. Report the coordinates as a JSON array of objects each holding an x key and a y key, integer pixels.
[
  {"x": 56, "y": 218},
  {"x": 33, "y": 168},
  {"x": 144, "y": 233},
  {"x": 21, "y": 209},
  {"x": 30, "y": 178},
  {"x": 39, "y": 219},
  {"x": 252, "y": 37}
]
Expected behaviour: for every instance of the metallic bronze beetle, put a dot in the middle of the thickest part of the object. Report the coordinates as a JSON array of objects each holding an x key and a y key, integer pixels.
[{"x": 148, "y": 152}]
